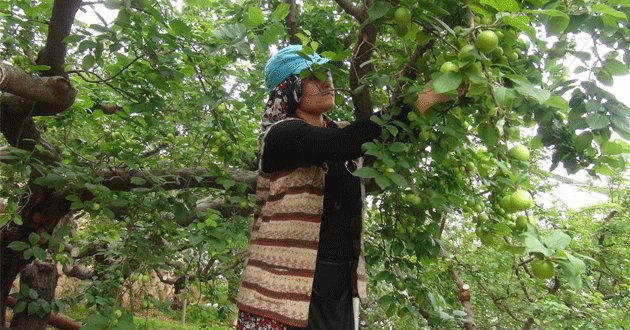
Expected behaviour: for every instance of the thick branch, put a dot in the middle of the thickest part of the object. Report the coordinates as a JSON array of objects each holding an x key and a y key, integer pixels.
[
  {"x": 80, "y": 272},
  {"x": 352, "y": 10},
  {"x": 51, "y": 90},
  {"x": 20, "y": 130},
  {"x": 189, "y": 177},
  {"x": 465, "y": 300},
  {"x": 359, "y": 68},
  {"x": 528, "y": 324},
  {"x": 291, "y": 23},
  {"x": 606, "y": 220},
  {"x": 54, "y": 53},
  {"x": 107, "y": 109},
  {"x": 409, "y": 70},
  {"x": 226, "y": 210}
]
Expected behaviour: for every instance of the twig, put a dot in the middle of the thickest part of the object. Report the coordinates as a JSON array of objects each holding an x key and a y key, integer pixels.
[{"x": 101, "y": 80}]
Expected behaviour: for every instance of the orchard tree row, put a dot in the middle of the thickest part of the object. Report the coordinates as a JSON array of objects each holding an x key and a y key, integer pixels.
[{"x": 130, "y": 128}]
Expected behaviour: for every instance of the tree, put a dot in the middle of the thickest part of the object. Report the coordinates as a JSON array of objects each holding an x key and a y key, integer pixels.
[{"x": 145, "y": 123}]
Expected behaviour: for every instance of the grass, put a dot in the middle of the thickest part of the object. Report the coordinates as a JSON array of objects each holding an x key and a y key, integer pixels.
[
  {"x": 154, "y": 323},
  {"x": 157, "y": 321}
]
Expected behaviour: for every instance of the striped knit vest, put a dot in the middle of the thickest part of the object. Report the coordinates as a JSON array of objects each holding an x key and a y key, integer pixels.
[{"x": 277, "y": 277}]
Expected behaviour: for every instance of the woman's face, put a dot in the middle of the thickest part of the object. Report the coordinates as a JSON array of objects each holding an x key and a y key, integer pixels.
[{"x": 317, "y": 96}]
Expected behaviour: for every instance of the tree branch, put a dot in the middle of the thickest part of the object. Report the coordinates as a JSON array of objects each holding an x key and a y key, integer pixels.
[
  {"x": 54, "y": 53},
  {"x": 528, "y": 323},
  {"x": 218, "y": 205},
  {"x": 464, "y": 298},
  {"x": 610, "y": 215},
  {"x": 189, "y": 177},
  {"x": 409, "y": 70},
  {"x": 291, "y": 22},
  {"x": 80, "y": 272},
  {"x": 50, "y": 90},
  {"x": 352, "y": 10}
]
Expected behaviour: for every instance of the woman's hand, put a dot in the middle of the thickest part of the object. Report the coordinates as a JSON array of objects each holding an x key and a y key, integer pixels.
[{"x": 428, "y": 98}]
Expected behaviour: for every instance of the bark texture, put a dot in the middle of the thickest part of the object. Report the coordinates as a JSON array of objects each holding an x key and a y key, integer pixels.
[
  {"x": 42, "y": 208},
  {"x": 41, "y": 277}
]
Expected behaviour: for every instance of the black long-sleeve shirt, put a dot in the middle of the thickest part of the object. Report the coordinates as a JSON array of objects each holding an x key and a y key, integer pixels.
[{"x": 295, "y": 142}]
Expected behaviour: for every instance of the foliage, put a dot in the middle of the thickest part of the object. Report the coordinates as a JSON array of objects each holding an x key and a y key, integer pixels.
[{"x": 166, "y": 122}]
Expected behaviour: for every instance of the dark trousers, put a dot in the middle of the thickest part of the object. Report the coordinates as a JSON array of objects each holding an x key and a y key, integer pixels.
[{"x": 331, "y": 301}]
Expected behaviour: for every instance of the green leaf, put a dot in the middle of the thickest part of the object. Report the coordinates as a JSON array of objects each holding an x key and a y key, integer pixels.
[
  {"x": 73, "y": 38},
  {"x": 398, "y": 179},
  {"x": 621, "y": 123},
  {"x": 512, "y": 249},
  {"x": 96, "y": 321},
  {"x": 180, "y": 211},
  {"x": 538, "y": 94},
  {"x": 616, "y": 67},
  {"x": 112, "y": 4},
  {"x": 532, "y": 244},
  {"x": 382, "y": 181},
  {"x": 386, "y": 300},
  {"x": 391, "y": 310},
  {"x": 88, "y": 62},
  {"x": 33, "y": 238},
  {"x": 549, "y": 12},
  {"x": 138, "y": 181},
  {"x": 256, "y": 15},
  {"x": 179, "y": 27},
  {"x": 571, "y": 271},
  {"x": 557, "y": 102},
  {"x": 580, "y": 69},
  {"x": 522, "y": 23},
  {"x": 118, "y": 202},
  {"x": 612, "y": 148},
  {"x": 18, "y": 246},
  {"x": 447, "y": 82},
  {"x": 282, "y": 11},
  {"x": 39, "y": 253},
  {"x": 488, "y": 134},
  {"x": 20, "y": 307},
  {"x": 556, "y": 25},
  {"x": 379, "y": 9},
  {"x": 597, "y": 121},
  {"x": 366, "y": 172},
  {"x": 502, "y": 5},
  {"x": 583, "y": 141},
  {"x": 396, "y": 147},
  {"x": 557, "y": 240},
  {"x": 606, "y": 10},
  {"x": 611, "y": 55},
  {"x": 604, "y": 77},
  {"x": 504, "y": 96}
]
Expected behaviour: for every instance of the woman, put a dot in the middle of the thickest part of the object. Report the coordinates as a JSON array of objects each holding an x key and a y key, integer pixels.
[{"x": 305, "y": 261}]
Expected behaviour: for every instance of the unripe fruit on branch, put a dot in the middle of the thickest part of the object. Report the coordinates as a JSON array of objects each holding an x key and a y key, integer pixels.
[
  {"x": 486, "y": 41},
  {"x": 543, "y": 269},
  {"x": 464, "y": 53},
  {"x": 520, "y": 224},
  {"x": 449, "y": 67},
  {"x": 520, "y": 152},
  {"x": 521, "y": 200},
  {"x": 402, "y": 16}
]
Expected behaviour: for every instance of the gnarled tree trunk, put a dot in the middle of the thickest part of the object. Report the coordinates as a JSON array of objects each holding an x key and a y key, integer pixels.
[{"x": 41, "y": 277}]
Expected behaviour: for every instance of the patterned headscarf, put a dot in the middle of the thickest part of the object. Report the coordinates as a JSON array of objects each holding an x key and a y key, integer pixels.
[{"x": 283, "y": 101}]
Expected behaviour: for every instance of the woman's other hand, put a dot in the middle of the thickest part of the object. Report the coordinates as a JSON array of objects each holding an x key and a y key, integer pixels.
[{"x": 426, "y": 99}]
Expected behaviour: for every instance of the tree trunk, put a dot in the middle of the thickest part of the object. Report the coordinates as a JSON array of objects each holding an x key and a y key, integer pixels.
[
  {"x": 41, "y": 277},
  {"x": 42, "y": 208}
]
